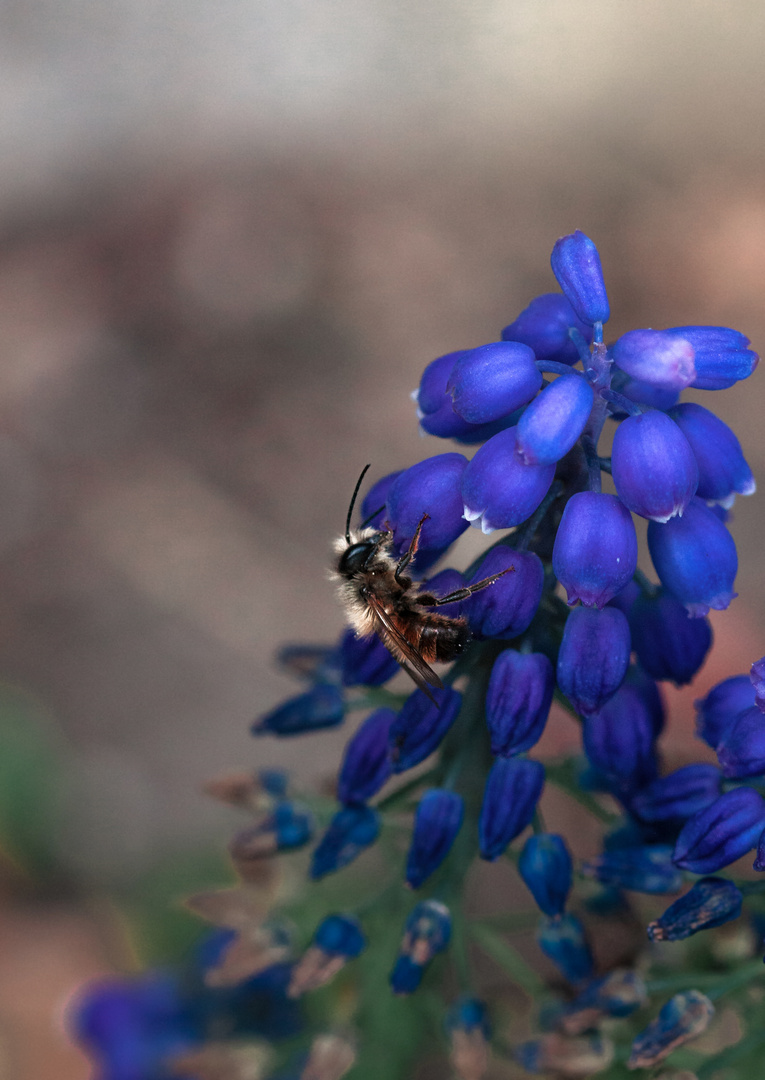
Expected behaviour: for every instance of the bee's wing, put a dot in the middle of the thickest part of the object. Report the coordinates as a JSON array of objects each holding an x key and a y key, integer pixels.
[{"x": 406, "y": 654}]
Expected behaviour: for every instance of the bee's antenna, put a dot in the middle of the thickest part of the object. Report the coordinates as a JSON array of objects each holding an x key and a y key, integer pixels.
[
  {"x": 353, "y": 503},
  {"x": 372, "y": 516}
]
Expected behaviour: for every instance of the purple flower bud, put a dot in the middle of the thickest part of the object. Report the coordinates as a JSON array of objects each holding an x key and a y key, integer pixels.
[
  {"x": 492, "y": 381},
  {"x": 593, "y": 657},
  {"x": 723, "y": 832},
  {"x": 679, "y": 795},
  {"x": 350, "y": 831},
  {"x": 719, "y": 709},
  {"x": 656, "y": 357},
  {"x": 375, "y": 500},
  {"x": 642, "y": 393},
  {"x": 366, "y": 761},
  {"x": 695, "y": 558},
  {"x": 653, "y": 466},
  {"x": 427, "y": 932},
  {"x": 723, "y": 471},
  {"x": 545, "y": 866},
  {"x": 365, "y": 661},
  {"x": 340, "y": 935},
  {"x": 506, "y": 608},
  {"x": 645, "y": 869},
  {"x": 321, "y": 707},
  {"x": 683, "y": 1017},
  {"x": 518, "y": 701},
  {"x": 721, "y": 356},
  {"x": 431, "y": 487},
  {"x": 741, "y": 750},
  {"x": 757, "y": 679},
  {"x": 435, "y": 408},
  {"x": 544, "y": 326},
  {"x": 576, "y": 265},
  {"x": 563, "y": 941},
  {"x": 619, "y": 740},
  {"x": 421, "y": 725},
  {"x": 626, "y": 597},
  {"x": 436, "y": 824},
  {"x": 711, "y": 902},
  {"x": 288, "y": 827},
  {"x": 510, "y": 798},
  {"x": 669, "y": 644},
  {"x": 595, "y": 550},
  {"x": 498, "y": 490},
  {"x": 553, "y": 422},
  {"x": 338, "y": 939}
]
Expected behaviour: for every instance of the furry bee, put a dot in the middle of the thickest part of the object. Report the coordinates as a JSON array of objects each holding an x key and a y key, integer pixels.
[{"x": 380, "y": 599}]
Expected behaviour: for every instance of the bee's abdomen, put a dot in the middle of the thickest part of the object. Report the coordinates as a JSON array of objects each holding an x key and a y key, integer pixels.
[{"x": 442, "y": 641}]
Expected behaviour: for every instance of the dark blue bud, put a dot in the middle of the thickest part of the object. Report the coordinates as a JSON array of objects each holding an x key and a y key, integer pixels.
[
  {"x": 350, "y": 831},
  {"x": 563, "y": 941},
  {"x": 544, "y": 326},
  {"x": 642, "y": 393},
  {"x": 619, "y": 740},
  {"x": 721, "y": 356},
  {"x": 498, "y": 490},
  {"x": 716, "y": 713},
  {"x": 710, "y": 902},
  {"x": 427, "y": 932},
  {"x": 653, "y": 466},
  {"x": 406, "y": 975},
  {"x": 695, "y": 558},
  {"x": 518, "y": 701},
  {"x": 421, "y": 725},
  {"x": 492, "y": 381},
  {"x": 723, "y": 471},
  {"x": 593, "y": 657},
  {"x": 510, "y": 799},
  {"x": 365, "y": 660},
  {"x": 366, "y": 762},
  {"x": 430, "y": 396},
  {"x": 741, "y": 750},
  {"x": 669, "y": 644},
  {"x": 468, "y": 1014},
  {"x": 431, "y": 487},
  {"x": 552, "y": 423},
  {"x": 645, "y": 869},
  {"x": 656, "y": 357},
  {"x": 595, "y": 550},
  {"x": 375, "y": 500},
  {"x": 435, "y": 408},
  {"x": 679, "y": 795},
  {"x": 340, "y": 935},
  {"x": 545, "y": 866},
  {"x": 620, "y": 993},
  {"x": 723, "y": 832},
  {"x": 321, "y": 707},
  {"x": 683, "y": 1017},
  {"x": 576, "y": 265},
  {"x": 506, "y": 608},
  {"x": 287, "y": 827},
  {"x": 436, "y": 824},
  {"x": 757, "y": 679}
]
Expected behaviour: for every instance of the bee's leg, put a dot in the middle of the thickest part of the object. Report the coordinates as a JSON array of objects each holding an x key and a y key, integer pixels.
[
  {"x": 468, "y": 590},
  {"x": 409, "y": 554}
]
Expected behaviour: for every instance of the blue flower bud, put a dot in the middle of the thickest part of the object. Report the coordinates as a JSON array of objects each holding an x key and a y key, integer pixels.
[
  {"x": 375, "y": 500},
  {"x": 321, "y": 707},
  {"x": 340, "y": 935},
  {"x": 679, "y": 795},
  {"x": 741, "y": 750},
  {"x": 552, "y": 423},
  {"x": 545, "y": 866},
  {"x": 653, "y": 466},
  {"x": 723, "y": 471},
  {"x": 619, "y": 740},
  {"x": 620, "y": 993},
  {"x": 593, "y": 657},
  {"x": 466, "y": 1014},
  {"x": 435, "y": 408},
  {"x": 544, "y": 326},
  {"x": 642, "y": 393},
  {"x": 645, "y": 869},
  {"x": 431, "y": 487},
  {"x": 626, "y": 597},
  {"x": 287, "y": 827},
  {"x": 723, "y": 832},
  {"x": 498, "y": 490},
  {"x": 563, "y": 941},
  {"x": 492, "y": 381},
  {"x": 365, "y": 660},
  {"x": 518, "y": 701},
  {"x": 656, "y": 357},
  {"x": 421, "y": 725},
  {"x": 427, "y": 932},
  {"x": 467, "y": 1026},
  {"x": 510, "y": 798},
  {"x": 338, "y": 939},
  {"x": 711, "y": 902},
  {"x": 757, "y": 679},
  {"x": 436, "y": 824},
  {"x": 350, "y": 831},
  {"x": 669, "y": 644},
  {"x": 695, "y": 558},
  {"x": 576, "y": 265},
  {"x": 595, "y": 550},
  {"x": 683, "y": 1017},
  {"x": 719, "y": 709},
  {"x": 557, "y": 1055},
  {"x": 506, "y": 608},
  {"x": 721, "y": 356},
  {"x": 366, "y": 761}
]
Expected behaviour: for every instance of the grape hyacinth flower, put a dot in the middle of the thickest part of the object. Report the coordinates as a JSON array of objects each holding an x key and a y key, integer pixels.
[{"x": 710, "y": 902}]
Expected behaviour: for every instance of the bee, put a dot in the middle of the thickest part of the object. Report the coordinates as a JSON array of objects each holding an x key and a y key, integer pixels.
[{"x": 379, "y": 598}]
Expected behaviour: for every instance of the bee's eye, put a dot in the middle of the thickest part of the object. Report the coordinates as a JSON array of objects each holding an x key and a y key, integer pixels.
[{"x": 355, "y": 557}]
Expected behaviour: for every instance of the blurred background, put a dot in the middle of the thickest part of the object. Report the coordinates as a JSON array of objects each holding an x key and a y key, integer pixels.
[{"x": 232, "y": 233}]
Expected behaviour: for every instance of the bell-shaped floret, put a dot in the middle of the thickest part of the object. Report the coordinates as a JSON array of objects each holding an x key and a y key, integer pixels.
[
  {"x": 669, "y": 644},
  {"x": 436, "y": 824},
  {"x": 498, "y": 490},
  {"x": 321, "y": 707},
  {"x": 619, "y": 740},
  {"x": 710, "y": 902},
  {"x": 642, "y": 393},
  {"x": 553, "y": 422},
  {"x": 720, "y": 355},
  {"x": 366, "y": 761},
  {"x": 421, "y": 725},
  {"x": 431, "y": 487},
  {"x": 427, "y": 932},
  {"x": 576, "y": 264},
  {"x": 373, "y": 507},
  {"x": 684, "y": 1017},
  {"x": 718, "y": 711},
  {"x": 679, "y": 795},
  {"x": 510, "y": 799},
  {"x": 505, "y": 608},
  {"x": 723, "y": 471},
  {"x": 645, "y": 868},
  {"x": 562, "y": 940},
  {"x": 365, "y": 661},
  {"x": 656, "y": 357},
  {"x": 338, "y": 939},
  {"x": 492, "y": 381},
  {"x": 653, "y": 466},
  {"x": 741, "y": 751},
  {"x": 695, "y": 558},
  {"x": 546, "y": 868},
  {"x": 723, "y": 832},
  {"x": 593, "y": 657},
  {"x": 350, "y": 831},
  {"x": 435, "y": 408},
  {"x": 546, "y": 325},
  {"x": 595, "y": 550},
  {"x": 518, "y": 701}
]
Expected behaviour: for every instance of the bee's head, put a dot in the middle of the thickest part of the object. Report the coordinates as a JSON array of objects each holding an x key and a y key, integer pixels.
[{"x": 357, "y": 557}]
